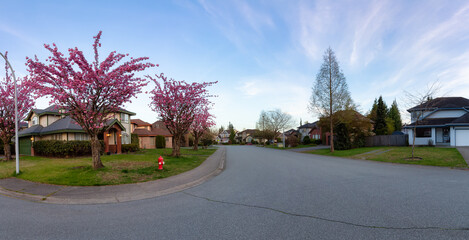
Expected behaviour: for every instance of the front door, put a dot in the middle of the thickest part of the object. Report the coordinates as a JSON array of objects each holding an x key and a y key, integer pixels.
[{"x": 446, "y": 138}]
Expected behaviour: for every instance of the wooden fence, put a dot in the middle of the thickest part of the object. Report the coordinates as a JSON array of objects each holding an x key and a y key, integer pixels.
[{"x": 387, "y": 140}]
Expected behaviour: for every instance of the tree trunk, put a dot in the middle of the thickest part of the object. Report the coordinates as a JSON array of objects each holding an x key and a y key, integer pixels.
[
  {"x": 196, "y": 142},
  {"x": 176, "y": 146},
  {"x": 6, "y": 148},
  {"x": 96, "y": 152},
  {"x": 332, "y": 136}
]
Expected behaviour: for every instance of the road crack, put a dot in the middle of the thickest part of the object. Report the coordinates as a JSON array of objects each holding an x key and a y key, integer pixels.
[{"x": 326, "y": 219}]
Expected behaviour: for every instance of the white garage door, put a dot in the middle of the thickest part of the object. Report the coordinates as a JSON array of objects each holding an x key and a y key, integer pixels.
[{"x": 462, "y": 137}]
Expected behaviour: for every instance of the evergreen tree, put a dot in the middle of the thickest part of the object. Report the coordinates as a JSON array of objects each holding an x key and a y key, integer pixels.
[
  {"x": 380, "y": 124},
  {"x": 395, "y": 115},
  {"x": 372, "y": 113},
  {"x": 232, "y": 133}
]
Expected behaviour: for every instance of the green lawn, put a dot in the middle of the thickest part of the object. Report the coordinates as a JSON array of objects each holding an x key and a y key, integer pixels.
[
  {"x": 119, "y": 169},
  {"x": 433, "y": 156}
]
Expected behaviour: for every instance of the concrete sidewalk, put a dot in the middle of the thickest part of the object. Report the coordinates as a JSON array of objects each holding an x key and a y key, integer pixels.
[
  {"x": 465, "y": 153},
  {"x": 47, "y": 193}
]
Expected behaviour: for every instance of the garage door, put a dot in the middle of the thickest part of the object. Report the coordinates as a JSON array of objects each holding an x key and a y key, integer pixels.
[
  {"x": 25, "y": 146},
  {"x": 462, "y": 137}
]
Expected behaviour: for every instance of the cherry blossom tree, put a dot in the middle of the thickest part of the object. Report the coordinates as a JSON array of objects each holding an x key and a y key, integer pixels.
[
  {"x": 203, "y": 120},
  {"x": 177, "y": 103},
  {"x": 7, "y": 106},
  {"x": 88, "y": 92}
]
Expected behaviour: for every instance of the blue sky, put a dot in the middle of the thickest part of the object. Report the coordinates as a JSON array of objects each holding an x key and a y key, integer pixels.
[{"x": 265, "y": 54}]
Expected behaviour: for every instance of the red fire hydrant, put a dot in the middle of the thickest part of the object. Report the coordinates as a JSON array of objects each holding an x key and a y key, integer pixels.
[{"x": 160, "y": 163}]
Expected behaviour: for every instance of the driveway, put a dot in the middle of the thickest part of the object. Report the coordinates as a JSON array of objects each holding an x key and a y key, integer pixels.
[{"x": 270, "y": 194}]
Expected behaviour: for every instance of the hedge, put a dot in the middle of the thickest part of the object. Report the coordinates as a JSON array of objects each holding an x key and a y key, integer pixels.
[
  {"x": 56, "y": 148},
  {"x": 160, "y": 141},
  {"x": 133, "y": 147},
  {"x": 133, "y": 138}
]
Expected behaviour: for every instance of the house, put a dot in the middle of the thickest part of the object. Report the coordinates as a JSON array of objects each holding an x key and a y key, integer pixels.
[
  {"x": 442, "y": 121},
  {"x": 291, "y": 132},
  {"x": 147, "y": 133},
  {"x": 54, "y": 124},
  {"x": 224, "y": 137},
  {"x": 315, "y": 132},
  {"x": 305, "y": 129},
  {"x": 247, "y": 136}
]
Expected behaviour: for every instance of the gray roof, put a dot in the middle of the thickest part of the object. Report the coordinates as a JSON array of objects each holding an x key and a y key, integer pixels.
[
  {"x": 34, "y": 130},
  {"x": 308, "y": 125},
  {"x": 427, "y": 122},
  {"x": 443, "y": 102},
  {"x": 65, "y": 124}
]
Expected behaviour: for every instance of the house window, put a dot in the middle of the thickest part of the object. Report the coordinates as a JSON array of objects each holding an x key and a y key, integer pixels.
[
  {"x": 124, "y": 118},
  {"x": 35, "y": 122},
  {"x": 81, "y": 137},
  {"x": 57, "y": 137},
  {"x": 424, "y": 132}
]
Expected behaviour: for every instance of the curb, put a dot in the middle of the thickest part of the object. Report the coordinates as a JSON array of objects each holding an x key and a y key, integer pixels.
[{"x": 140, "y": 191}]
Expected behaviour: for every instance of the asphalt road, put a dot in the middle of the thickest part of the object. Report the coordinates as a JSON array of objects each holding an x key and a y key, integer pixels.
[{"x": 270, "y": 194}]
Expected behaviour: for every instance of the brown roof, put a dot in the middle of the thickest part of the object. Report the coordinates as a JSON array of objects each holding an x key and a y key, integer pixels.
[
  {"x": 159, "y": 124},
  {"x": 153, "y": 132},
  {"x": 139, "y": 122}
]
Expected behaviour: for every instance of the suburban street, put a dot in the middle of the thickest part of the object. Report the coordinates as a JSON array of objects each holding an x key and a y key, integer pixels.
[{"x": 270, "y": 194}]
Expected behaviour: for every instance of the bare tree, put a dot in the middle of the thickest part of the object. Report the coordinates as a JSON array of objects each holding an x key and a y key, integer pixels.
[
  {"x": 278, "y": 120},
  {"x": 421, "y": 103},
  {"x": 330, "y": 91},
  {"x": 263, "y": 126}
]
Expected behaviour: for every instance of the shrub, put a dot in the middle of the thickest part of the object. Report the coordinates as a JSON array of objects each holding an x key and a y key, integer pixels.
[
  {"x": 306, "y": 140},
  {"x": 55, "y": 148},
  {"x": 317, "y": 141},
  {"x": 134, "y": 138},
  {"x": 279, "y": 140},
  {"x": 254, "y": 142},
  {"x": 133, "y": 147},
  {"x": 342, "y": 140},
  {"x": 292, "y": 141},
  {"x": 160, "y": 141},
  {"x": 207, "y": 142}
]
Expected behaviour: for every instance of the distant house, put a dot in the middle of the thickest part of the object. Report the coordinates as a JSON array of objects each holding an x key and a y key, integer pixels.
[
  {"x": 315, "y": 132},
  {"x": 247, "y": 136},
  {"x": 147, "y": 133},
  {"x": 443, "y": 121},
  {"x": 224, "y": 137},
  {"x": 292, "y": 132},
  {"x": 304, "y": 130},
  {"x": 54, "y": 124}
]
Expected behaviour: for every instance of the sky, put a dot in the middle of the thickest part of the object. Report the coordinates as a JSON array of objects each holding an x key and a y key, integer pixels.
[{"x": 264, "y": 54}]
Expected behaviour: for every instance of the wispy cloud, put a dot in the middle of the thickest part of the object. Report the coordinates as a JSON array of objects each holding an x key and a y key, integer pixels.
[
  {"x": 369, "y": 30},
  {"x": 242, "y": 26},
  {"x": 18, "y": 34}
]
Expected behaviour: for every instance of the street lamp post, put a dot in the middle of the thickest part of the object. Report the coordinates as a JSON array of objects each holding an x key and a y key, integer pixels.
[{"x": 17, "y": 152}]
